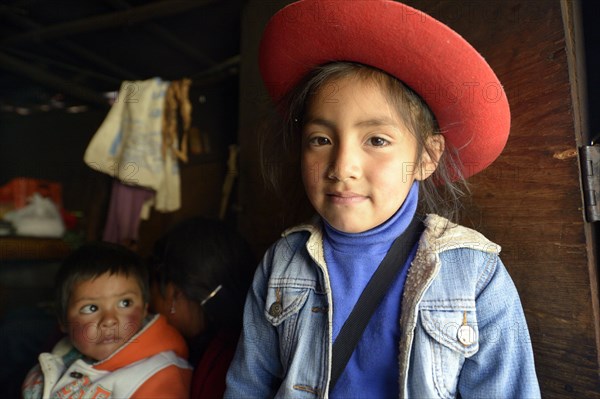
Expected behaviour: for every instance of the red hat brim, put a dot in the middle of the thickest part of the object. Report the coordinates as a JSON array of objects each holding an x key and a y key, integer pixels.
[{"x": 459, "y": 86}]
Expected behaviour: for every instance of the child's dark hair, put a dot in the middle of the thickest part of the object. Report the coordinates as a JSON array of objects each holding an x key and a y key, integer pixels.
[
  {"x": 280, "y": 146},
  {"x": 199, "y": 255},
  {"x": 92, "y": 260}
]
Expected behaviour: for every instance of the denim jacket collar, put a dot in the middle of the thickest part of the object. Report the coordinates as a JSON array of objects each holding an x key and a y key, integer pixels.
[{"x": 439, "y": 235}]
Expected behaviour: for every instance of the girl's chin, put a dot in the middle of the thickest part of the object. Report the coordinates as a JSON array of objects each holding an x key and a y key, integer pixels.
[{"x": 349, "y": 227}]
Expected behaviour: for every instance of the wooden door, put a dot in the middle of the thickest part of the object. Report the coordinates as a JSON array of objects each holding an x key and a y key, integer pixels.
[{"x": 529, "y": 201}]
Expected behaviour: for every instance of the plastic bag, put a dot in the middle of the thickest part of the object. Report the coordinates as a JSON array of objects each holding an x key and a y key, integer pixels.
[{"x": 40, "y": 218}]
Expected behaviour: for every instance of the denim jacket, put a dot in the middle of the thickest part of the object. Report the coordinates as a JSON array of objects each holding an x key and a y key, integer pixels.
[{"x": 463, "y": 331}]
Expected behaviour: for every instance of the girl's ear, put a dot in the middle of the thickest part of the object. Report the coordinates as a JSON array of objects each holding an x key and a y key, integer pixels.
[
  {"x": 173, "y": 292},
  {"x": 434, "y": 148}
]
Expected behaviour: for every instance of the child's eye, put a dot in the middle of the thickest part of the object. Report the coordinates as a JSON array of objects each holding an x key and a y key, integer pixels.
[
  {"x": 319, "y": 140},
  {"x": 378, "y": 142},
  {"x": 125, "y": 303},
  {"x": 88, "y": 309}
]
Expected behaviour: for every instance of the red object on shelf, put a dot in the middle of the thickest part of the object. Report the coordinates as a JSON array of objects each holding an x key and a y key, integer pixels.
[
  {"x": 16, "y": 192},
  {"x": 69, "y": 219}
]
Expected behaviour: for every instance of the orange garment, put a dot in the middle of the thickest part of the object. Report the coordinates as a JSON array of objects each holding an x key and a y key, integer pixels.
[{"x": 170, "y": 382}]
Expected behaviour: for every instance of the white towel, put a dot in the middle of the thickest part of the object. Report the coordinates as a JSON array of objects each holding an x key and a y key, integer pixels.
[{"x": 128, "y": 144}]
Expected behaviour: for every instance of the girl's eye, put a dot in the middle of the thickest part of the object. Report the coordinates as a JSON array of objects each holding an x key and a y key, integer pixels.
[
  {"x": 318, "y": 141},
  {"x": 88, "y": 309},
  {"x": 125, "y": 303},
  {"x": 378, "y": 142}
]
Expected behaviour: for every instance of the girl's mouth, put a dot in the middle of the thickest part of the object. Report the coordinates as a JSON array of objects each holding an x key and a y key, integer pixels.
[{"x": 345, "y": 197}]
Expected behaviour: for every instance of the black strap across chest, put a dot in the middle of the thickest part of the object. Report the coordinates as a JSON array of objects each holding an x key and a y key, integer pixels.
[{"x": 371, "y": 297}]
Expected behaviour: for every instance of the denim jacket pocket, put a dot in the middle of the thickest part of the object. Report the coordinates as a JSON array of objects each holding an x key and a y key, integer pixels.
[
  {"x": 282, "y": 309},
  {"x": 453, "y": 336},
  {"x": 456, "y": 330},
  {"x": 284, "y": 301}
]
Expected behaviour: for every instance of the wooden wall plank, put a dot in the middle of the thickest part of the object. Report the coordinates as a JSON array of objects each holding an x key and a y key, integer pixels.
[{"x": 529, "y": 201}]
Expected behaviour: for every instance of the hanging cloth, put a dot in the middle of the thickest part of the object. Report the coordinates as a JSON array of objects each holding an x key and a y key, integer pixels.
[
  {"x": 129, "y": 144},
  {"x": 124, "y": 213},
  {"x": 177, "y": 97}
]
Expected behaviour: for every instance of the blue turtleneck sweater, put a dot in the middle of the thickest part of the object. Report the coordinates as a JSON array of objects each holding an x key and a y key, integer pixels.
[{"x": 352, "y": 258}]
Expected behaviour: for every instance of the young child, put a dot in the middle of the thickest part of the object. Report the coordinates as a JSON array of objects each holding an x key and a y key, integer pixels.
[
  {"x": 387, "y": 111},
  {"x": 113, "y": 349},
  {"x": 200, "y": 277}
]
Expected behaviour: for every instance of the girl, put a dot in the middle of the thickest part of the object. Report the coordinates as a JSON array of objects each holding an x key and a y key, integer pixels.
[
  {"x": 387, "y": 111},
  {"x": 200, "y": 276}
]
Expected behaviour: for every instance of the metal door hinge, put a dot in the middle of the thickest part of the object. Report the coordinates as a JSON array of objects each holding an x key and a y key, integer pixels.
[{"x": 590, "y": 177}]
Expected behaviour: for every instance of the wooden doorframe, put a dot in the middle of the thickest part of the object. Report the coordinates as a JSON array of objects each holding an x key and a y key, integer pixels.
[{"x": 574, "y": 42}]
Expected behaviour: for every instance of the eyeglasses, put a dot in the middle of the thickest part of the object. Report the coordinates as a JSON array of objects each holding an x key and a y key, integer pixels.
[{"x": 211, "y": 295}]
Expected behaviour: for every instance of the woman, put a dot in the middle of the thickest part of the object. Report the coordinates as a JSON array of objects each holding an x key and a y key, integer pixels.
[{"x": 201, "y": 271}]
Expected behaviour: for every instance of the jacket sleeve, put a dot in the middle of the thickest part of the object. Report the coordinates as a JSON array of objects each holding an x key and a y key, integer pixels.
[
  {"x": 256, "y": 369},
  {"x": 169, "y": 383},
  {"x": 504, "y": 364}
]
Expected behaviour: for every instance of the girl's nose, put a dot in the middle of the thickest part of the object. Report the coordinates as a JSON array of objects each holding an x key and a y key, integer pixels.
[{"x": 344, "y": 165}]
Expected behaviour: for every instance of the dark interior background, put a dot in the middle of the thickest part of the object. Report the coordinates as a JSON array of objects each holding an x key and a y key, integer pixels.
[
  {"x": 62, "y": 61},
  {"x": 591, "y": 31}
]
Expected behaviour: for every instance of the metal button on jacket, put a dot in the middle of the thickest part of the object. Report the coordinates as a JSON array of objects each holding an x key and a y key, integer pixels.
[
  {"x": 466, "y": 335},
  {"x": 276, "y": 309}
]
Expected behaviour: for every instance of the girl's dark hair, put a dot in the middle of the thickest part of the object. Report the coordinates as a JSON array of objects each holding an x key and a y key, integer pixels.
[
  {"x": 197, "y": 256},
  {"x": 280, "y": 144},
  {"x": 92, "y": 260}
]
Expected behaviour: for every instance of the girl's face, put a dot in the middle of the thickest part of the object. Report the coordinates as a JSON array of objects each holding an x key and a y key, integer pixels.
[
  {"x": 104, "y": 313},
  {"x": 185, "y": 315},
  {"x": 358, "y": 159}
]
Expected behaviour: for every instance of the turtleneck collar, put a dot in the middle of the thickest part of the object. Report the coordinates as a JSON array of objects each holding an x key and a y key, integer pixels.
[{"x": 379, "y": 238}]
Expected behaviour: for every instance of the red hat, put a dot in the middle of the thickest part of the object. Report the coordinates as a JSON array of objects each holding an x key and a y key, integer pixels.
[{"x": 459, "y": 86}]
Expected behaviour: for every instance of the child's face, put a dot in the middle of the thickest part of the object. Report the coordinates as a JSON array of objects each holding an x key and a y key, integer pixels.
[
  {"x": 186, "y": 315},
  {"x": 358, "y": 159},
  {"x": 103, "y": 313}
]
